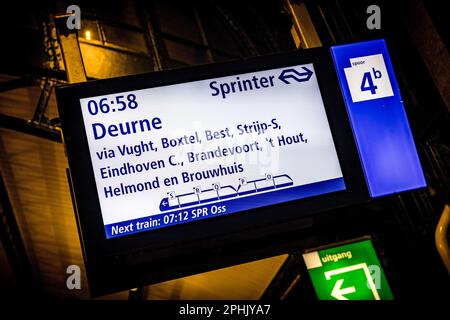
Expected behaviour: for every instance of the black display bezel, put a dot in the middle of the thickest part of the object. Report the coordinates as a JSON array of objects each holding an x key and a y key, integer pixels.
[{"x": 125, "y": 257}]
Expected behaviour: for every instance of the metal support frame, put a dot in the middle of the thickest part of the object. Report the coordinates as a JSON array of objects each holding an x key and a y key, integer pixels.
[
  {"x": 285, "y": 280},
  {"x": 39, "y": 125},
  {"x": 70, "y": 48},
  {"x": 154, "y": 43},
  {"x": 202, "y": 33},
  {"x": 234, "y": 25},
  {"x": 303, "y": 31},
  {"x": 39, "y": 113},
  {"x": 51, "y": 133},
  {"x": 17, "y": 83},
  {"x": 291, "y": 281},
  {"x": 441, "y": 240}
]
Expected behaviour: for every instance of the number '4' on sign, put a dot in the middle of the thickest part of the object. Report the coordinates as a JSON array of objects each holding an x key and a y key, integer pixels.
[{"x": 367, "y": 82}]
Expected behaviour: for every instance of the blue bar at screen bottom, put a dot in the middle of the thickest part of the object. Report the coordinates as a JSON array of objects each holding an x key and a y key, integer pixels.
[{"x": 234, "y": 205}]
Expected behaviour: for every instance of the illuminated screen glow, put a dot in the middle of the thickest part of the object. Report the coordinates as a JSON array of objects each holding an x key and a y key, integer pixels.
[
  {"x": 378, "y": 118},
  {"x": 174, "y": 154}
]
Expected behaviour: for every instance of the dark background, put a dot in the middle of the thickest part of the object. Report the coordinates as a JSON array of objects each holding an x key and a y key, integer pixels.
[{"x": 38, "y": 231}]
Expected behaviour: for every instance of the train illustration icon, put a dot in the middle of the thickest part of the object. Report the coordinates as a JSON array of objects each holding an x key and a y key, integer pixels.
[{"x": 217, "y": 192}]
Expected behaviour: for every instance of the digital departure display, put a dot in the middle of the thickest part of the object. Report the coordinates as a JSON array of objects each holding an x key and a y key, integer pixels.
[{"x": 179, "y": 153}]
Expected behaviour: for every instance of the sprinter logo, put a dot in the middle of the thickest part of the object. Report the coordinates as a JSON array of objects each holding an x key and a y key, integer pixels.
[
  {"x": 253, "y": 82},
  {"x": 294, "y": 74}
]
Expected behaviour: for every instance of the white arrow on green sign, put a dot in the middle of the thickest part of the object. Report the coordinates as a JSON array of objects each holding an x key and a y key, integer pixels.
[{"x": 347, "y": 272}]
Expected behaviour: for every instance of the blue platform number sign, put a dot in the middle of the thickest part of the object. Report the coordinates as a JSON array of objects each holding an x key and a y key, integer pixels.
[
  {"x": 378, "y": 118},
  {"x": 368, "y": 79}
]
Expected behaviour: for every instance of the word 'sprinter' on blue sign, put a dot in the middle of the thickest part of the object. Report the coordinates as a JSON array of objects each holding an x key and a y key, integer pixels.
[{"x": 378, "y": 119}]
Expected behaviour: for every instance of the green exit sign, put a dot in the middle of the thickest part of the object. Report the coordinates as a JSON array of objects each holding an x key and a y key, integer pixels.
[{"x": 350, "y": 271}]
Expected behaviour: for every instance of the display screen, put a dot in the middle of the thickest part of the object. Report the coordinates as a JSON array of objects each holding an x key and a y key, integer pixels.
[{"x": 181, "y": 153}]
